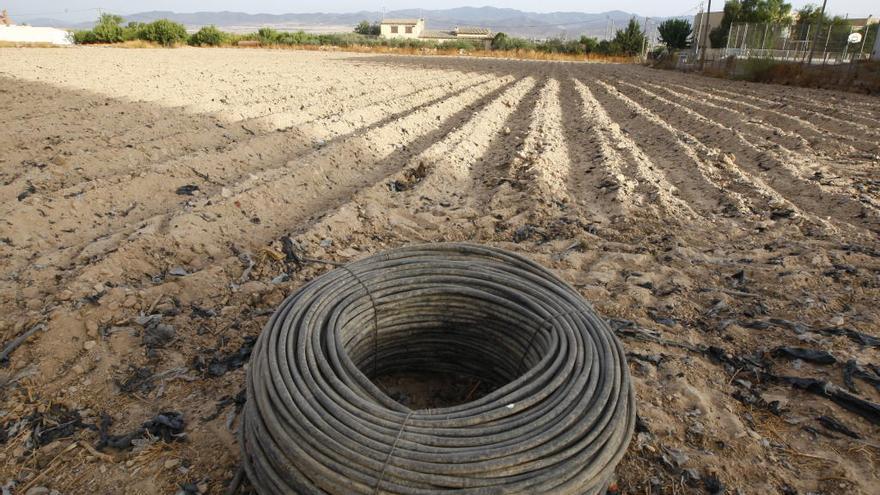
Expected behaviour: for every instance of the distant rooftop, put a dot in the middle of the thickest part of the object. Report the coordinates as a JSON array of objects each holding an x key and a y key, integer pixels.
[
  {"x": 412, "y": 22},
  {"x": 473, "y": 30},
  {"x": 437, "y": 35}
]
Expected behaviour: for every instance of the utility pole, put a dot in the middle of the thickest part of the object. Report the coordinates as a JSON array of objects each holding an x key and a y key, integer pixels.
[
  {"x": 816, "y": 34},
  {"x": 706, "y": 36},
  {"x": 645, "y": 41}
]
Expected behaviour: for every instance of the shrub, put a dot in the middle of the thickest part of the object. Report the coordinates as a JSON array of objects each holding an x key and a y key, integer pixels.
[
  {"x": 164, "y": 32},
  {"x": 208, "y": 36},
  {"x": 502, "y": 41},
  {"x": 267, "y": 36},
  {"x": 108, "y": 29},
  {"x": 367, "y": 29},
  {"x": 84, "y": 37}
]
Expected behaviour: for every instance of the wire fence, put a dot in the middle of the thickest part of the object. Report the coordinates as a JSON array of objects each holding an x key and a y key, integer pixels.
[{"x": 834, "y": 43}]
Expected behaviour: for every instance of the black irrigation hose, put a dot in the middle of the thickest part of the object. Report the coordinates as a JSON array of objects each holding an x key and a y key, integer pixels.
[{"x": 558, "y": 422}]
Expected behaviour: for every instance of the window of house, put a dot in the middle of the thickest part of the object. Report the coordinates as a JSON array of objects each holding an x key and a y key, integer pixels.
[
  {"x": 409, "y": 30},
  {"x": 394, "y": 29}
]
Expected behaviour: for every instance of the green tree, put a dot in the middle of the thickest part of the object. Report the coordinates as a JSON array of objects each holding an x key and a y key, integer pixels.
[
  {"x": 500, "y": 41},
  {"x": 590, "y": 44},
  {"x": 762, "y": 11},
  {"x": 631, "y": 39},
  {"x": 164, "y": 32},
  {"x": 208, "y": 36},
  {"x": 675, "y": 33},
  {"x": 367, "y": 29},
  {"x": 108, "y": 29}
]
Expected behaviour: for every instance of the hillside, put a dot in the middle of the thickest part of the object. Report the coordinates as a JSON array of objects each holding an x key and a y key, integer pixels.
[{"x": 511, "y": 21}]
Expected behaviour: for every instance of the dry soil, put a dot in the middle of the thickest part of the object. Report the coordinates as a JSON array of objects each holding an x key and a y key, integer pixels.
[{"x": 697, "y": 212}]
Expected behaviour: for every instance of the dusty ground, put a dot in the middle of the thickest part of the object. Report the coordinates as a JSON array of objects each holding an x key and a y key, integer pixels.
[{"x": 696, "y": 212}]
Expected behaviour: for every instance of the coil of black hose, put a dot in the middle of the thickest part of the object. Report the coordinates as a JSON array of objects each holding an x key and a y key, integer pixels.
[{"x": 558, "y": 421}]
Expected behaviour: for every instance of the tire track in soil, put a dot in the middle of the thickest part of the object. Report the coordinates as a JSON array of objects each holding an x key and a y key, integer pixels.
[
  {"x": 230, "y": 220},
  {"x": 783, "y": 176},
  {"x": 278, "y": 150}
]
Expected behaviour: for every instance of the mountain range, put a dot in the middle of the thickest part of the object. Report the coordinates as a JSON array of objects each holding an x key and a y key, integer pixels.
[{"x": 511, "y": 21}]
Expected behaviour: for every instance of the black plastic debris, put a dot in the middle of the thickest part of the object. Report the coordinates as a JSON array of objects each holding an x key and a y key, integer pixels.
[
  {"x": 853, "y": 370},
  {"x": 158, "y": 335},
  {"x": 523, "y": 233},
  {"x": 810, "y": 355},
  {"x": 738, "y": 278},
  {"x": 139, "y": 380},
  {"x": 187, "y": 190},
  {"x": 833, "y": 424},
  {"x": 238, "y": 399},
  {"x": 30, "y": 189},
  {"x": 287, "y": 247},
  {"x": 57, "y": 422},
  {"x": 781, "y": 213},
  {"x": 854, "y": 335},
  {"x": 200, "y": 312},
  {"x": 166, "y": 426},
  {"x": 219, "y": 365},
  {"x": 866, "y": 409},
  {"x": 849, "y": 372},
  {"x": 713, "y": 485},
  {"x": 756, "y": 324},
  {"x": 397, "y": 186}
]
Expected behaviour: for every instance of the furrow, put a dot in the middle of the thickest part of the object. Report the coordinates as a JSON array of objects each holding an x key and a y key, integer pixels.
[
  {"x": 785, "y": 176},
  {"x": 748, "y": 192},
  {"x": 261, "y": 207},
  {"x": 148, "y": 196},
  {"x": 660, "y": 179},
  {"x": 822, "y": 139},
  {"x": 104, "y": 163},
  {"x": 841, "y": 177},
  {"x": 844, "y": 124}
]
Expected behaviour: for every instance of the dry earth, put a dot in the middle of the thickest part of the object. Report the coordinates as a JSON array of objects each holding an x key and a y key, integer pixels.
[{"x": 694, "y": 212}]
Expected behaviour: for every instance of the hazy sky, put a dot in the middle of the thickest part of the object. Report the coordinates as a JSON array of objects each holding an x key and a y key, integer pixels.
[{"x": 77, "y": 10}]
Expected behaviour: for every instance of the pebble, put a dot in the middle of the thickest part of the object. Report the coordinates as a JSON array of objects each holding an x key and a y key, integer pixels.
[
  {"x": 836, "y": 321},
  {"x": 172, "y": 463},
  {"x": 89, "y": 345}
]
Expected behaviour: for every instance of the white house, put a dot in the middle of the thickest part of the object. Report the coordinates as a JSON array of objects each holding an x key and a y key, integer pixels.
[
  {"x": 415, "y": 29},
  {"x": 402, "y": 28},
  {"x": 11, "y": 33}
]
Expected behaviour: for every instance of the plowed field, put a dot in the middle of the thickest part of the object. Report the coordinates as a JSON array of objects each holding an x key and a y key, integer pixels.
[{"x": 711, "y": 221}]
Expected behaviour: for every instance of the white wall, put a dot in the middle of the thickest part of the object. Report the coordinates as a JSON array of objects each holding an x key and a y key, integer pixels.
[
  {"x": 31, "y": 34},
  {"x": 401, "y": 31}
]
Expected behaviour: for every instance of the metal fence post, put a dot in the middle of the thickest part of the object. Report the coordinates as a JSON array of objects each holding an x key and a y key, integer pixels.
[
  {"x": 821, "y": 17},
  {"x": 876, "y": 54}
]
